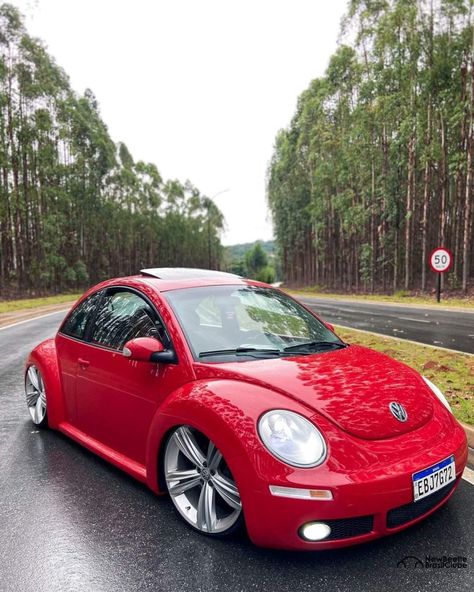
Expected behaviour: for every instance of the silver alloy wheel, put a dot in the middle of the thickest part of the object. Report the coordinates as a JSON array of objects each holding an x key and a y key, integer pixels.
[
  {"x": 200, "y": 483},
  {"x": 35, "y": 395}
]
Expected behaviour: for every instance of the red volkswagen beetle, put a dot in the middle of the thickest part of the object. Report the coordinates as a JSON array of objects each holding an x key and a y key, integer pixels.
[{"x": 247, "y": 409}]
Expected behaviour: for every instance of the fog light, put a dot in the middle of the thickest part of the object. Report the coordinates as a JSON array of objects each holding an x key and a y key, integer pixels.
[{"x": 315, "y": 531}]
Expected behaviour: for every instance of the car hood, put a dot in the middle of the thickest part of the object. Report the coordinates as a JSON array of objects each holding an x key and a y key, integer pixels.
[{"x": 353, "y": 387}]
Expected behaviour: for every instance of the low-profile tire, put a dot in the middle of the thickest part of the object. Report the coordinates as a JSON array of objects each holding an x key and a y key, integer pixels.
[
  {"x": 200, "y": 484},
  {"x": 35, "y": 393}
]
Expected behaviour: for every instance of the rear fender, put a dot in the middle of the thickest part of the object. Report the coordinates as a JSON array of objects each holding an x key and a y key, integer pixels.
[{"x": 44, "y": 357}]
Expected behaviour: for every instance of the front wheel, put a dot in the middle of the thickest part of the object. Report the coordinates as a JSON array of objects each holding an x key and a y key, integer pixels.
[
  {"x": 200, "y": 483},
  {"x": 36, "y": 397}
]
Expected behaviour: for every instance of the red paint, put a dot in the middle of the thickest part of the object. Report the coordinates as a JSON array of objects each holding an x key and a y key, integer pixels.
[
  {"x": 353, "y": 387},
  {"x": 123, "y": 409},
  {"x": 141, "y": 348}
]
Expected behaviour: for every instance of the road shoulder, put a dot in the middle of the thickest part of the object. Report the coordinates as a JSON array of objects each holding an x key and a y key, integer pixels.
[
  {"x": 8, "y": 319},
  {"x": 384, "y": 303},
  {"x": 470, "y": 442}
]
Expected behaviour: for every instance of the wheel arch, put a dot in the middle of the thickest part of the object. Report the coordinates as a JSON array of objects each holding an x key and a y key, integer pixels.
[
  {"x": 226, "y": 412},
  {"x": 160, "y": 456},
  {"x": 44, "y": 357},
  {"x": 198, "y": 405}
]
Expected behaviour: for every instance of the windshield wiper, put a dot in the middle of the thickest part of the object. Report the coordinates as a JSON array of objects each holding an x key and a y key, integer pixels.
[
  {"x": 314, "y": 346},
  {"x": 240, "y": 350}
]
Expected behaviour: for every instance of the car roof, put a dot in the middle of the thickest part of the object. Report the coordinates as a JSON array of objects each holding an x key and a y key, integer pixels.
[
  {"x": 150, "y": 285},
  {"x": 164, "y": 279},
  {"x": 186, "y": 273}
]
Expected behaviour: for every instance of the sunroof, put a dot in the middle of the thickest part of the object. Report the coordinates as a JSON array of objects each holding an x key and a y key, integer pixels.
[{"x": 185, "y": 273}]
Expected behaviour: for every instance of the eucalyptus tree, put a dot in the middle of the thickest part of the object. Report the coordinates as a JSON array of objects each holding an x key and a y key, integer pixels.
[
  {"x": 75, "y": 206},
  {"x": 376, "y": 166}
]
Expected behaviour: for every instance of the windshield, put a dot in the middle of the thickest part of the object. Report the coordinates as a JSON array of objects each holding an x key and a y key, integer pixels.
[{"x": 244, "y": 322}]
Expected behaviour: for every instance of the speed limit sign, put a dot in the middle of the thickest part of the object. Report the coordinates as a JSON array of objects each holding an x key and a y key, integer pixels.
[{"x": 441, "y": 260}]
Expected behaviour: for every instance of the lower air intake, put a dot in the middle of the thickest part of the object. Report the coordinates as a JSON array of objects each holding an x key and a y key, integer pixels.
[
  {"x": 409, "y": 512},
  {"x": 346, "y": 528}
]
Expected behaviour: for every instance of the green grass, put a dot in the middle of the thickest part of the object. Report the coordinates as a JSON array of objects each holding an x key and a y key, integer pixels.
[
  {"x": 400, "y": 297},
  {"x": 452, "y": 372},
  {"x": 29, "y": 303}
]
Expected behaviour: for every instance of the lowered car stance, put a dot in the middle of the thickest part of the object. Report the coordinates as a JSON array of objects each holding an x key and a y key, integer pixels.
[{"x": 247, "y": 409}]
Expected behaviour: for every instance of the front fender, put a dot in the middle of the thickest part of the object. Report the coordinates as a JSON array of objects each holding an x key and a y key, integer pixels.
[
  {"x": 45, "y": 358},
  {"x": 226, "y": 412}
]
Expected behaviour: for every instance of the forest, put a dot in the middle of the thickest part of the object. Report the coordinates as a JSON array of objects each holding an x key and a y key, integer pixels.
[
  {"x": 376, "y": 166},
  {"x": 75, "y": 207},
  {"x": 253, "y": 260}
]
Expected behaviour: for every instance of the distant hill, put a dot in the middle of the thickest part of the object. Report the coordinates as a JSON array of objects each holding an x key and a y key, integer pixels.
[{"x": 238, "y": 251}]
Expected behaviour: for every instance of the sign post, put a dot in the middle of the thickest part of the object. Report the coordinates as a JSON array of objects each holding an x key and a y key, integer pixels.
[{"x": 441, "y": 261}]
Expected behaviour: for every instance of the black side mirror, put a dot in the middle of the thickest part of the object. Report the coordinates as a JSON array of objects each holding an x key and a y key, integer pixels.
[{"x": 167, "y": 356}]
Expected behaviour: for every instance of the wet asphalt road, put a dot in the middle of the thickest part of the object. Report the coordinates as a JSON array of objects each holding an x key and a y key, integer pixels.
[
  {"x": 70, "y": 522},
  {"x": 445, "y": 328}
]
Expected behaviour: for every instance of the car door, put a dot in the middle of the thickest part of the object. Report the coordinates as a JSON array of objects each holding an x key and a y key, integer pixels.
[
  {"x": 70, "y": 343},
  {"x": 117, "y": 397}
]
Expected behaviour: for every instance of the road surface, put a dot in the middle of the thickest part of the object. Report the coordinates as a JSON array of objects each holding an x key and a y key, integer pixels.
[
  {"x": 442, "y": 328},
  {"x": 71, "y": 522}
]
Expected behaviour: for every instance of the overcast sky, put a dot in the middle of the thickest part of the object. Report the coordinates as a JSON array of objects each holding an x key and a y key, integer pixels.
[{"x": 199, "y": 87}]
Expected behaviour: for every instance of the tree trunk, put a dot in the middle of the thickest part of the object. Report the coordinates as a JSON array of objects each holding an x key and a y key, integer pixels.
[
  {"x": 467, "y": 238},
  {"x": 409, "y": 209},
  {"x": 426, "y": 201}
]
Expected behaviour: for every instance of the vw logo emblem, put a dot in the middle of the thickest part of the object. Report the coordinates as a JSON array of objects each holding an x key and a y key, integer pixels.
[{"x": 398, "y": 411}]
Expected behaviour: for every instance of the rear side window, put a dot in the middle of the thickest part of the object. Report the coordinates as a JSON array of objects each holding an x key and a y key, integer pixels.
[
  {"x": 123, "y": 316},
  {"x": 76, "y": 323}
]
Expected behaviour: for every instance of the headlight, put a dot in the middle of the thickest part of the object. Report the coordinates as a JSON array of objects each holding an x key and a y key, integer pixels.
[
  {"x": 292, "y": 438},
  {"x": 438, "y": 393}
]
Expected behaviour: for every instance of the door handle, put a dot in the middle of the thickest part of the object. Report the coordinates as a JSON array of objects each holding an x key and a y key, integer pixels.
[{"x": 83, "y": 363}]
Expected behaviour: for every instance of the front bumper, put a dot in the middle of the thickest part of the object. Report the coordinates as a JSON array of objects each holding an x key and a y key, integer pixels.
[{"x": 368, "y": 502}]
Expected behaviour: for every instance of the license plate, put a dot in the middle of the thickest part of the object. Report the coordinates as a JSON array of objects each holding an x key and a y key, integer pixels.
[{"x": 429, "y": 480}]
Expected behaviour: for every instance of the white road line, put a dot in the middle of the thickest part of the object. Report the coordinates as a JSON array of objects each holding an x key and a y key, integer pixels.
[
  {"x": 414, "y": 320},
  {"x": 468, "y": 475},
  {"x": 332, "y": 307},
  {"x": 428, "y": 307},
  {"x": 34, "y": 319},
  {"x": 455, "y": 351},
  {"x": 369, "y": 313}
]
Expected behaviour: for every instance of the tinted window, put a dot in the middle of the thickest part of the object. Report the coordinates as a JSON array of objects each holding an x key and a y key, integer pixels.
[
  {"x": 76, "y": 323},
  {"x": 123, "y": 316}
]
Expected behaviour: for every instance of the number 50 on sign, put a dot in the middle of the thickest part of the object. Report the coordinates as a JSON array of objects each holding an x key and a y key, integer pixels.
[{"x": 441, "y": 260}]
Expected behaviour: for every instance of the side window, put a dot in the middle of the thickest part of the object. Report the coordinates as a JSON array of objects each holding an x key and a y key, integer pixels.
[
  {"x": 75, "y": 324},
  {"x": 123, "y": 316}
]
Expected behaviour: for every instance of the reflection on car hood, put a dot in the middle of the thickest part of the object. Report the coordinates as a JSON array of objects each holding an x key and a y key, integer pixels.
[{"x": 352, "y": 387}]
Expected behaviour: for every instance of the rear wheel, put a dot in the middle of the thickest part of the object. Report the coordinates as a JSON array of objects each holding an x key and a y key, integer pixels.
[
  {"x": 200, "y": 483},
  {"x": 36, "y": 397}
]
